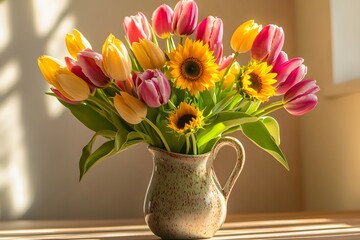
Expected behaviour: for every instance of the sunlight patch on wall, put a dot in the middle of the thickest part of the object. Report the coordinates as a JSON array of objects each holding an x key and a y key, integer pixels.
[
  {"x": 56, "y": 46},
  {"x": 14, "y": 178},
  {"x": 4, "y": 25},
  {"x": 47, "y": 13},
  {"x": 9, "y": 75}
]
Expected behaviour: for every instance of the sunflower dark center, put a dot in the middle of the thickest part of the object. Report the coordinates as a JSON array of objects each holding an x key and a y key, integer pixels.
[
  {"x": 192, "y": 69},
  {"x": 185, "y": 119},
  {"x": 255, "y": 82}
]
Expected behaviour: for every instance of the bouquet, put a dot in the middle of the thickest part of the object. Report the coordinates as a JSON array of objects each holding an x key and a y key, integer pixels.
[{"x": 169, "y": 85}]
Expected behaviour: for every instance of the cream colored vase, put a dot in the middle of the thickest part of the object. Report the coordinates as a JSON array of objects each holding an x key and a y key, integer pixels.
[{"x": 184, "y": 199}]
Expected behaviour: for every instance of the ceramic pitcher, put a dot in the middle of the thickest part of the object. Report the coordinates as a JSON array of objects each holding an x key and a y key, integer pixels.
[{"x": 184, "y": 199}]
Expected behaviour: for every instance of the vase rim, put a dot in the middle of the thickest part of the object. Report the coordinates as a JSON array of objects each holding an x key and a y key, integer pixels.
[{"x": 150, "y": 147}]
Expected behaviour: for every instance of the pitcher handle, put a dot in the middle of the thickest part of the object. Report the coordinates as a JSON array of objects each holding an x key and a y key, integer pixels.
[{"x": 240, "y": 160}]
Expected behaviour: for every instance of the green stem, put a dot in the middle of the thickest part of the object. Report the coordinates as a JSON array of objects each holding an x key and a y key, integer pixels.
[
  {"x": 172, "y": 43},
  {"x": 157, "y": 130},
  {"x": 187, "y": 144},
  {"x": 268, "y": 111},
  {"x": 269, "y": 106},
  {"x": 167, "y": 42},
  {"x": 194, "y": 143},
  {"x": 181, "y": 40}
]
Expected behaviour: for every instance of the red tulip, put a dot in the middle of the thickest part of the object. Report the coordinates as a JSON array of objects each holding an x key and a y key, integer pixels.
[
  {"x": 137, "y": 27},
  {"x": 301, "y": 98},
  {"x": 162, "y": 21},
  {"x": 268, "y": 44},
  {"x": 91, "y": 65},
  {"x": 288, "y": 74},
  {"x": 210, "y": 31},
  {"x": 185, "y": 17}
]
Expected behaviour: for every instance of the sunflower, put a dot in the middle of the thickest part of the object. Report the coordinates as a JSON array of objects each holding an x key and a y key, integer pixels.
[
  {"x": 193, "y": 67},
  {"x": 257, "y": 81},
  {"x": 185, "y": 119}
]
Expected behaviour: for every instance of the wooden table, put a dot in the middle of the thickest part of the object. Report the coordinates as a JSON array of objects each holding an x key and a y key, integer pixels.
[{"x": 303, "y": 225}]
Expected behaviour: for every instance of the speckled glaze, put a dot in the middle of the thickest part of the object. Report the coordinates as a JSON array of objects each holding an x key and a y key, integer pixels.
[{"x": 184, "y": 199}]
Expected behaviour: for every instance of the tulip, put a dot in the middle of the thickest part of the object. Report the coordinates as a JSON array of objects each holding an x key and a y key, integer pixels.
[
  {"x": 162, "y": 21},
  {"x": 67, "y": 83},
  {"x": 125, "y": 85},
  {"x": 243, "y": 37},
  {"x": 76, "y": 42},
  {"x": 152, "y": 87},
  {"x": 225, "y": 61},
  {"x": 137, "y": 27},
  {"x": 116, "y": 60},
  {"x": 230, "y": 77},
  {"x": 268, "y": 44},
  {"x": 210, "y": 31},
  {"x": 149, "y": 55},
  {"x": 288, "y": 74},
  {"x": 91, "y": 65},
  {"x": 185, "y": 17},
  {"x": 63, "y": 98},
  {"x": 283, "y": 57},
  {"x": 301, "y": 98},
  {"x": 131, "y": 109},
  {"x": 75, "y": 68}
]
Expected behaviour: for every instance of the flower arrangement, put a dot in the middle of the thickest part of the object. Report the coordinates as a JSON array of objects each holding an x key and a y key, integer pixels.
[{"x": 184, "y": 98}]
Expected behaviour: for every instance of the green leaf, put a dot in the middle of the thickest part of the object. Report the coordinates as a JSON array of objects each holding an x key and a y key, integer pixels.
[
  {"x": 273, "y": 127},
  {"x": 89, "y": 117},
  {"x": 120, "y": 138},
  {"x": 105, "y": 150},
  {"x": 86, "y": 152},
  {"x": 259, "y": 134},
  {"x": 223, "y": 122}
]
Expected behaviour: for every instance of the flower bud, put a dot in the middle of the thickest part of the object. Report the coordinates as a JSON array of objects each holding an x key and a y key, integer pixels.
[
  {"x": 116, "y": 60},
  {"x": 210, "y": 31},
  {"x": 243, "y": 37},
  {"x": 152, "y": 87},
  {"x": 268, "y": 44},
  {"x": 301, "y": 98},
  {"x": 131, "y": 109},
  {"x": 162, "y": 21},
  {"x": 185, "y": 17},
  {"x": 67, "y": 83},
  {"x": 91, "y": 65},
  {"x": 288, "y": 74},
  {"x": 149, "y": 55},
  {"x": 137, "y": 27},
  {"x": 76, "y": 42}
]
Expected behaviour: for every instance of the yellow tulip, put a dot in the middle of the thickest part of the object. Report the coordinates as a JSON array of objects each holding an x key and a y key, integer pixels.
[
  {"x": 76, "y": 42},
  {"x": 116, "y": 60},
  {"x": 243, "y": 37},
  {"x": 149, "y": 55},
  {"x": 230, "y": 77},
  {"x": 67, "y": 83},
  {"x": 131, "y": 109}
]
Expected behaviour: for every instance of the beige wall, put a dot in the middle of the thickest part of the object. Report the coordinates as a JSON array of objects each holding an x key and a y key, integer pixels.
[
  {"x": 330, "y": 136},
  {"x": 47, "y": 184}
]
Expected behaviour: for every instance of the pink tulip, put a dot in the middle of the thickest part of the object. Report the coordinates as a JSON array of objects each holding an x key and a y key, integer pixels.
[
  {"x": 91, "y": 65},
  {"x": 185, "y": 17},
  {"x": 283, "y": 57},
  {"x": 210, "y": 31},
  {"x": 162, "y": 21},
  {"x": 268, "y": 44},
  {"x": 301, "y": 98},
  {"x": 137, "y": 27},
  {"x": 75, "y": 68},
  {"x": 225, "y": 61},
  {"x": 152, "y": 87},
  {"x": 288, "y": 74}
]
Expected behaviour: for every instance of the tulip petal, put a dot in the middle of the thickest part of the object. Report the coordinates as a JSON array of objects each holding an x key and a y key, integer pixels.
[
  {"x": 73, "y": 85},
  {"x": 300, "y": 89},
  {"x": 302, "y": 105}
]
